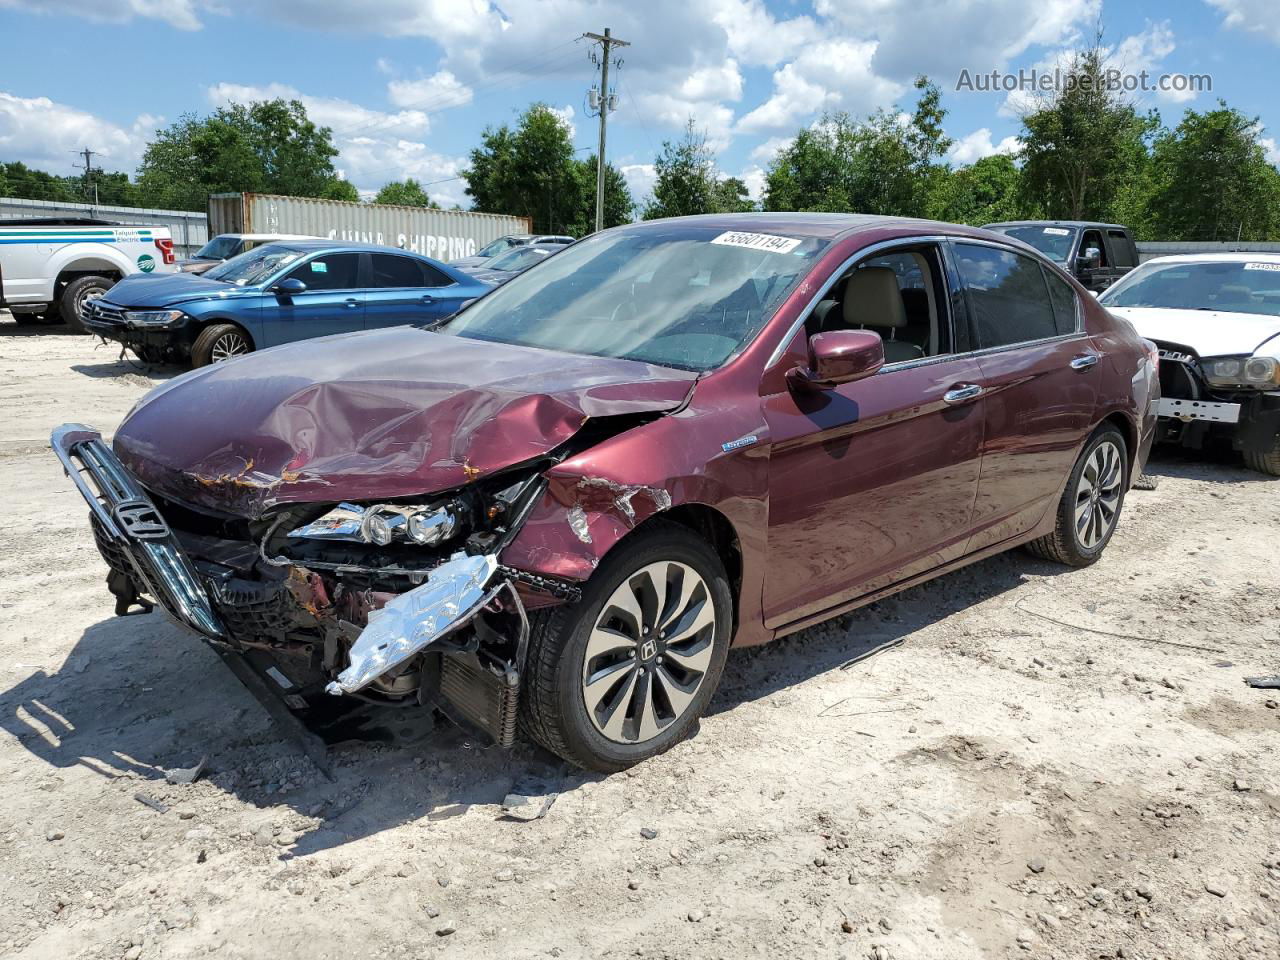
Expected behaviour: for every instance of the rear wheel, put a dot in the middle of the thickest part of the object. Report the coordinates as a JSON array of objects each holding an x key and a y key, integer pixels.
[
  {"x": 77, "y": 294},
  {"x": 222, "y": 341},
  {"x": 1090, "y": 505},
  {"x": 1265, "y": 461},
  {"x": 624, "y": 673}
]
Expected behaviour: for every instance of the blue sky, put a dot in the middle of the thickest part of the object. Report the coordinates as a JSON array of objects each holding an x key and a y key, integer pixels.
[{"x": 407, "y": 85}]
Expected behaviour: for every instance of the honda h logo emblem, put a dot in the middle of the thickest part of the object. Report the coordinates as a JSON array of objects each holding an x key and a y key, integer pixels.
[
  {"x": 141, "y": 520},
  {"x": 648, "y": 649}
]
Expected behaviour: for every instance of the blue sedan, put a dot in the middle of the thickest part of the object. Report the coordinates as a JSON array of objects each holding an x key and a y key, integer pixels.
[{"x": 275, "y": 294}]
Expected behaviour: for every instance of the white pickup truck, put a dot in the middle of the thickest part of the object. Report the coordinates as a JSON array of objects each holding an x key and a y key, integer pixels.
[{"x": 50, "y": 267}]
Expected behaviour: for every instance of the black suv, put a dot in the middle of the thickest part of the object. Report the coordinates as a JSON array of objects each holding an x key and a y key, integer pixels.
[{"x": 1096, "y": 254}]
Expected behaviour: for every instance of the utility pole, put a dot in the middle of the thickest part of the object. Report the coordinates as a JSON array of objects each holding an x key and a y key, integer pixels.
[
  {"x": 607, "y": 101},
  {"x": 88, "y": 177}
]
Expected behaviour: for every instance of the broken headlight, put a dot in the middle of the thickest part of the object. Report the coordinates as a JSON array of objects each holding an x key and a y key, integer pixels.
[
  {"x": 1262, "y": 372},
  {"x": 382, "y": 524}
]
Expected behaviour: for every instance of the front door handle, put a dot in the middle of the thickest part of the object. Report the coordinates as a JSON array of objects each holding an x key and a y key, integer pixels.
[
  {"x": 963, "y": 393},
  {"x": 1084, "y": 362},
  {"x": 352, "y": 302},
  {"x": 427, "y": 298}
]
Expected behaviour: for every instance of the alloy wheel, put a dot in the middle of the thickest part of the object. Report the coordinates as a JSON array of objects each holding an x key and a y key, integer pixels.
[
  {"x": 1098, "y": 494},
  {"x": 649, "y": 652},
  {"x": 227, "y": 346}
]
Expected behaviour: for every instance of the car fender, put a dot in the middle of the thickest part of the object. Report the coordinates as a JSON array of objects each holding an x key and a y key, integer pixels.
[
  {"x": 247, "y": 314},
  {"x": 90, "y": 258},
  {"x": 595, "y": 500}
]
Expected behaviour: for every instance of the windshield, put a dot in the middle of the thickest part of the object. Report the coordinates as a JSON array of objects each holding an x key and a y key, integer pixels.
[
  {"x": 1236, "y": 286},
  {"x": 497, "y": 247},
  {"x": 254, "y": 266},
  {"x": 1053, "y": 242},
  {"x": 516, "y": 259},
  {"x": 219, "y": 248},
  {"x": 677, "y": 295}
]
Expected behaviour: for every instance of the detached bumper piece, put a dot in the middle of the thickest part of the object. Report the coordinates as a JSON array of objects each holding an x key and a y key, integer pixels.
[
  {"x": 129, "y": 528},
  {"x": 1187, "y": 410}
]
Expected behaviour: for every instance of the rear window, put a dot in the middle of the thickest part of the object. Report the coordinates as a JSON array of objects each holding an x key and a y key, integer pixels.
[
  {"x": 1007, "y": 296},
  {"x": 1053, "y": 242}
]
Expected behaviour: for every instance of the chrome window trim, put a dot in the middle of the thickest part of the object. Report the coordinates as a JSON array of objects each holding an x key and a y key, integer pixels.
[{"x": 835, "y": 277}]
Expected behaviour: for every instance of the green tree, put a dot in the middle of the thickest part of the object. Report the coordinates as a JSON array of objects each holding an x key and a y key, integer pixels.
[
  {"x": 618, "y": 205},
  {"x": 730, "y": 195},
  {"x": 25, "y": 183},
  {"x": 986, "y": 191},
  {"x": 1085, "y": 145},
  {"x": 1210, "y": 180},
  {"x": 269, "y": 146},
  {"x": 685, "y": 177},
  {"x": 406, "y": 193},
  {"x": 883, "y": 165},
  {"x": 529, "y": 171}
]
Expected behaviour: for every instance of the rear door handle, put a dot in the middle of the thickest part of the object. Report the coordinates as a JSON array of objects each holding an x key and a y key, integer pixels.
[
  {"x": 427, "y": 298},
  {"x": 352, "y": 302},
  {"x": 963, "y": 393},
  {"x": 1084, "y": 362}
]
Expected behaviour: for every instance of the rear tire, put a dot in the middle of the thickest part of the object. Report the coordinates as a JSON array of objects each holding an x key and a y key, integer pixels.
[
  {"x": 1089, "y": 509},
  {"x": 665, "y": 676},
  {"x": 1266, "y": 461},
  {"x": 221, "y": 341},
  {"x": 79, "y": 292}
]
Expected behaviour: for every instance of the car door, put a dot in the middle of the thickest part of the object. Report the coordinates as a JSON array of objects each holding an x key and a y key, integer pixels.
[
  {"x": 405, "y": 290},
  {"x": 1122, "y": 254},
  {"x": 333, "y": 301},
  {"x": 873, "y": 481},
  {"x": 1039, "y": 379}
]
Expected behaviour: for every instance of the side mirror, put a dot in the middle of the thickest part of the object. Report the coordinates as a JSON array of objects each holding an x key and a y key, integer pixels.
[
  {"x": 289, "y": 286},
  {"x": 1089, "y": 258},
  {"x": 839, "y": 356}
]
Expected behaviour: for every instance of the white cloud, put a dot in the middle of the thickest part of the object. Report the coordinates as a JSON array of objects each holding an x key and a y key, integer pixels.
[
  {"x": 439, "y": 91},
  {"x": 640, "y": 178},
  {"x": 753, "y": 177},
  {"x": 1272, "y": 150},
  {"x": 941, "y": 37},
  {"x": 43, "y": 133},
  {"x": 369, "y": 162},
  {"x": 346, "y": 118},
  {"x": 182, "y": 14},
  {"x": 723, "y": 82},
  {"x": 756, "y": 36},
  {"x": 566, "y": 114},
  {"x": 835, "y": 74},
  {"x": 765, "y": 151},
  {"x": 977, "y": 145},
  {"x": 1255, "y": 16}
]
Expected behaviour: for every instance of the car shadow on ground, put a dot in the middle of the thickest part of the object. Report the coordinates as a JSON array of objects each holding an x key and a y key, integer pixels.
[
  {"x": 10, "y": 329},
  {"x": 138, "y": 695},
  {"x": 1217, "y": 463}
]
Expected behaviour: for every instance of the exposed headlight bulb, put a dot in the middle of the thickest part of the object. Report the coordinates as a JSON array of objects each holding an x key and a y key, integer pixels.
[
  {"x": 431, "y": 527},
  {"x": 378, "y": 527}
]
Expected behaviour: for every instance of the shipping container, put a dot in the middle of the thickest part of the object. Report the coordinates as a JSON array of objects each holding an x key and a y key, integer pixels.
[{"x": 443, "y": 234}]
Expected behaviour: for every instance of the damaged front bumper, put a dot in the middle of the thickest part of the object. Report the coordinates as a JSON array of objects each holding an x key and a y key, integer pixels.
[{"x": 147, "y": 560}]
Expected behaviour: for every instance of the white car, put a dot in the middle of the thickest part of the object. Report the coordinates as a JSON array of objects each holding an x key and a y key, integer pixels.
[
  {"x": 227, "y": 245},
  {"x": 1215, "y": 318}
]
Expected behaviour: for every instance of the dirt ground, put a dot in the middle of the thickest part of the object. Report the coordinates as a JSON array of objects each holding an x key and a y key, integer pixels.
[{"x": 1013, "y": 761}]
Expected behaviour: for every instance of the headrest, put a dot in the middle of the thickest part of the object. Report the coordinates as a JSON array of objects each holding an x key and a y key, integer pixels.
[{"x": 871, "y": 299}]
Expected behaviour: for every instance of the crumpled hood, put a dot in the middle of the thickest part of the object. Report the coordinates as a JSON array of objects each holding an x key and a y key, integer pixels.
[
  {"x": 1210, "y": 333},
  {"x": 378, "y": 415},
  {"x": 168, "y": 289}
]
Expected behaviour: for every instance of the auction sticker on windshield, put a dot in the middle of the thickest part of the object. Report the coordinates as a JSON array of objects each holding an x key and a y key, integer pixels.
[
  {"x": 1274, "y": 267},
  {"x": 1057, "y": 232},
  {"x": 757, "y": 241}
]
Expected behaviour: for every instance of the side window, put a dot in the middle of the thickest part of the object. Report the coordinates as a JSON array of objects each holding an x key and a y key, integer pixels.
[
  {"x": 336, "y": 271},
  {"x": 392, "y": 271},
  {"x": 900, "y": 295},
  {"x": 1066, "y": 315},
  {"x": 1092, "y": 238},
  {"x": 1008, "y": 298},
  {"x": 1121, "y": 249},
  {"x": 431, "y": 277}
]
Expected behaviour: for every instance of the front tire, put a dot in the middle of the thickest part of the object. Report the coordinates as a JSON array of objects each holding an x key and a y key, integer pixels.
[
  {"x": 78, "y": 293},
  {"x": 624, "y": 673},
  {"x": 1089, "y": 509},
  {"x": 1265, "y": 461},
  {"x": 219, "y": 342}
]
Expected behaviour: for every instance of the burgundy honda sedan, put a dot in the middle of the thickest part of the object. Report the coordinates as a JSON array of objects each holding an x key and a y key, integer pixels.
[{"x": 558, "y": 510}]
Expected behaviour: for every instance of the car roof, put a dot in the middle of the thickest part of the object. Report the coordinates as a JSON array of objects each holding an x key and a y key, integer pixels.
[
  {"x": 271, "y": 236},
  {"x": 827, "y": 226},
  {"x": 1056, "y": 223}
]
